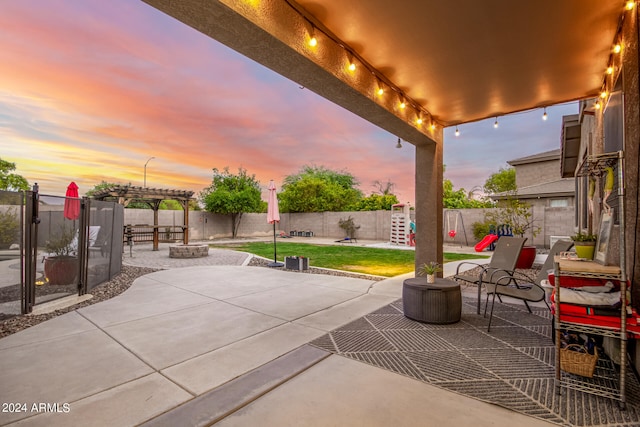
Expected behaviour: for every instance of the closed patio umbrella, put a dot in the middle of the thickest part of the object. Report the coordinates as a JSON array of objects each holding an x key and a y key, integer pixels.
[
  {"x": 273, "y": 216},
  {"x": 72, "y": 202}
]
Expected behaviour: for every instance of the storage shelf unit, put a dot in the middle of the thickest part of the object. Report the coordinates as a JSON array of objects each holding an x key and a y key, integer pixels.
[{"x": 607, "y": 381}]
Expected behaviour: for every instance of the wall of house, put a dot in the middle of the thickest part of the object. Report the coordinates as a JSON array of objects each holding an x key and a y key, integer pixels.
[{"x": 537, "y": 173}]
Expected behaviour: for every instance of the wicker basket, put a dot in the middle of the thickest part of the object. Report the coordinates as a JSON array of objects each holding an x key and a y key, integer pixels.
[{"x": 577, "y": 362}]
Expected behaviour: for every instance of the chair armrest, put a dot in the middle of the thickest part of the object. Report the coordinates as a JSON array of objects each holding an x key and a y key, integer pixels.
[
  {"x": 504, "y": 279},
  {"x": 498, "y": 274},
  {"x": 484, "y": 266}
]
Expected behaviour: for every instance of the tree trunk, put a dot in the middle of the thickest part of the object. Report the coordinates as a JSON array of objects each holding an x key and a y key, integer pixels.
[{"x": 235, "y": 223}]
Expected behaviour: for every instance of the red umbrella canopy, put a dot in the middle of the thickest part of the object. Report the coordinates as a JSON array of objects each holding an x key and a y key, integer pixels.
[
  {"x": 72, "y": 202},
  {"x": 273, "y": 213}
]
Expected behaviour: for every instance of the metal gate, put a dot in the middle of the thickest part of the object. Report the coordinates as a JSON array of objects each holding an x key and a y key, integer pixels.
[{"x": 47, "y": 253}]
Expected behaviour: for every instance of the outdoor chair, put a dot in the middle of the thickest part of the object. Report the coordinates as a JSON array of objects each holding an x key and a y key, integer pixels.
[
  {"x": 501, "y": 266},
  {"x": 529, "y": 291}
]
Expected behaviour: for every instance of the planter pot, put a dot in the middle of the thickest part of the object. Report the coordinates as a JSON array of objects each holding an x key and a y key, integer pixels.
[
  {"x": 61, "y": 270},
  {"x": 527, "y": 257},
  {"x": 431, "y": 278},
  {"x": 585, "y": 249}
]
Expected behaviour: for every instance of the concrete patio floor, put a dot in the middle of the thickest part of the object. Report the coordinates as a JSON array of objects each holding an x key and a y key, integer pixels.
[{"x": 187, "y": 346}]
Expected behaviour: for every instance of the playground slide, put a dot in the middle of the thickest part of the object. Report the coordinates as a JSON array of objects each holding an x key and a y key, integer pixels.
[{"x": 488, "y": 239}]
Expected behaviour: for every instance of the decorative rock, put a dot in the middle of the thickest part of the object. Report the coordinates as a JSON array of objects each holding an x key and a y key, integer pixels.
[{"x": 188, "y": 251}]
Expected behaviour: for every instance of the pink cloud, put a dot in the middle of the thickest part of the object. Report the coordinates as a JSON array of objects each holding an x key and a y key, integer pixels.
[{"x": 111, "y": 89}]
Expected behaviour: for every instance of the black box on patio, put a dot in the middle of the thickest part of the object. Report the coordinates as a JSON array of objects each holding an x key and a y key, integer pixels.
[{"x": 296, "y": 263}]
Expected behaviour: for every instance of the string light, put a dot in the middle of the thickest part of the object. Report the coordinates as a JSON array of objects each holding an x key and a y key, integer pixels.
[
  {"x": 544, "y": 116},
  {"x": 433, "y": 126},
  {"x": 399, "y": 144},
  {"x": 617, "y": 48},
  {"x": 630, "y": 5},
  {"x": 495, "y": 124},
  {"x": 603, "y": 94},
  {"x": 380, "y": 90},
  {"x": 313, "y": 41},
  {"x": 403, "y": 104},
  {"x": 419, "y": 120},
  {"x": 597, "y": 105},
  {"x": 457, "y": 131},
  {"x": 610, "y": 70}
]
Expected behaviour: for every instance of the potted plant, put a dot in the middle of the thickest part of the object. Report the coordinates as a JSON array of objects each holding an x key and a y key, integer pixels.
[
  {"x": 61, "y": 264},
  {"x": 585, "y": 244},
  {"x": 429, "y": 269}
]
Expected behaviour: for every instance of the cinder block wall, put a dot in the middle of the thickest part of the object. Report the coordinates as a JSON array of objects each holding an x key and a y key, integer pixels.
[{"x": 374, "y": 225}]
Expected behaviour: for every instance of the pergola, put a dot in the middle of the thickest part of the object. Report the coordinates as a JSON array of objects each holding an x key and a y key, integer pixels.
[
  {"x": 414, "y": 67},
  {"x": 125, "y": 194}
]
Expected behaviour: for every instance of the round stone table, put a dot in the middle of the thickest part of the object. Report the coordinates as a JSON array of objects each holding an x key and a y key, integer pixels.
[{"x": 439, "y": 302}]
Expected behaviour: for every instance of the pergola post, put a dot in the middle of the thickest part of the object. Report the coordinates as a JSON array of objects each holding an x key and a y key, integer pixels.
[
  {"x": 428, "y": 208},
  {"x": 156, "y": 234},
  {"x": 185, "y": 227}
]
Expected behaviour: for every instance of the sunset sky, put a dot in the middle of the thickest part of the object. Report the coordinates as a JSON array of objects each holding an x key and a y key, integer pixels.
[{"x": 91, "y": 89}]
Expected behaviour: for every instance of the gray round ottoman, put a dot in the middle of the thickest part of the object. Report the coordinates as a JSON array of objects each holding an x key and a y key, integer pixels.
[{"x": 439, "y": 302}]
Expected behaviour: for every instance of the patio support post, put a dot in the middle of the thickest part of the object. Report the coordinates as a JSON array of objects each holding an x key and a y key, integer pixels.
[{"x": 428, "y": 207}]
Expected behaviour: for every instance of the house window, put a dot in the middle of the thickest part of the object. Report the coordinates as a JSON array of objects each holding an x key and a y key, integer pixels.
[{"x": 559, "y": 203}]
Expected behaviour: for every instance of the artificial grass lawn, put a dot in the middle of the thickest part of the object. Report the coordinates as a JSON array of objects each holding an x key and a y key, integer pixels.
[{"x": 358, "y": 259}]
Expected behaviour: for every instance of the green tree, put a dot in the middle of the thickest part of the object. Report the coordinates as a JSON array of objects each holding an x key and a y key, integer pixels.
[
  {"x": 318, "y": 189},
  {"x": 502, "y": 181},
  {"x": 459, "y": 199},
  {"x": 10, "y": 181},
  {"x": 232, "y": 194},
  {"x": 377, "y": 202}
]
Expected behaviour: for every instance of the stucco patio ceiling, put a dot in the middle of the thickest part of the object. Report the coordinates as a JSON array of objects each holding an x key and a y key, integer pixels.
[{"x": 456, "y": 61}]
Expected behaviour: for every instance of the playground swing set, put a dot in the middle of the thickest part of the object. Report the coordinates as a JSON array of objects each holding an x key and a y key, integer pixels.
[{"x": 453, "y": 231}]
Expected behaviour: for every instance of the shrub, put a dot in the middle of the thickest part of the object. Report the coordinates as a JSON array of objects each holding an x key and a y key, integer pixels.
[
  {"x": 480, "y": 229},
  {"x": 9, "y": 227}
]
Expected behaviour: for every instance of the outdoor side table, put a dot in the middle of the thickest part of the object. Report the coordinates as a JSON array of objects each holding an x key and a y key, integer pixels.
[{"x": 439, "y": 302}]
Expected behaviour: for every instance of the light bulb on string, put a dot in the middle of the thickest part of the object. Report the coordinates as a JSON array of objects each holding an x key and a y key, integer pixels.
[
  {"x": 419, "y": 120},
  {"x": 617, "y": 48},
  {"x": 433, "y": 126},
  {"x": 544, "y": 116},
  {"x": 597, "y": 105},
  {"x": 313, "y": 41},
  {"x": 495, "y": 124},
  {"x": 399, "y": 144},
  {"x": 610, "y": 70},
  {"x": 457, "y": 131},
  {"x": 630, "y": 4}
]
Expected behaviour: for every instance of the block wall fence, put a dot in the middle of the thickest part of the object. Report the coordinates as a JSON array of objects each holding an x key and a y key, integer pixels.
[{"x": 374, "y": 225}]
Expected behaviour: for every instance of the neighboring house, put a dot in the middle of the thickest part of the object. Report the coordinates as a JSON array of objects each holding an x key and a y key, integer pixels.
[{"x": 539, "y": 182}]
